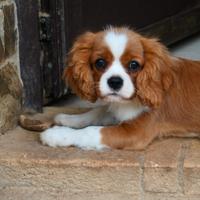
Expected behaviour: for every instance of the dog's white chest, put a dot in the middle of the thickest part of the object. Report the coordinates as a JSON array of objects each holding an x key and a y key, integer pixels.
[{"x": 127, "y": 111}]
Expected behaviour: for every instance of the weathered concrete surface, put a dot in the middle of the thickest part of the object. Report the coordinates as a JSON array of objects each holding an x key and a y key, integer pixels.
[
  {"x": 26, "y": 164},
  {"x": 29, "y": 170}
]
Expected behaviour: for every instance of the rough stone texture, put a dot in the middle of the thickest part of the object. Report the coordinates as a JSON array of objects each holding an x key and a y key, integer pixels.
[
  {"x": 166, "y": 157},
  {"x": 161, "y": 180},
  {"x": 9, "y": 30},
  {"x": 10, "y": 86},
  {"x": 192, "y": 159},
  {"x": 73, "y": 179},
  {"x": 192, "y": 169},
  {"x": 28, "y": 168},
  {"x": 2, "y": 51},
  {"x": 192, "y": 181},
  {"x": 25, "y": 193},
  {"x": 8, "y": 35},
  {"x": 70, "y": 172},
  {"x": 161, "y": 171},
  {"x": 10, "y": 97},
  {"x": 168, "y": 196}
]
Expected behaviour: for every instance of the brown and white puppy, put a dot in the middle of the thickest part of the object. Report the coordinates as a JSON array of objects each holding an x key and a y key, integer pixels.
[{"x": 146, "y": 93}]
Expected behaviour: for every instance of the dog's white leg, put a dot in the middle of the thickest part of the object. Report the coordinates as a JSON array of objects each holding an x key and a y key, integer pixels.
[
  {"x": 86, "y": 138},
  {"x": 96, "y": 116},
  {"x": 79, "y": 120}
]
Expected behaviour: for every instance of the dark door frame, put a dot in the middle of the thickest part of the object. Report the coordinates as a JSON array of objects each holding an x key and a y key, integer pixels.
[
  {"x": 29, "y": 54},
  {"x": 53, "y": 48}
]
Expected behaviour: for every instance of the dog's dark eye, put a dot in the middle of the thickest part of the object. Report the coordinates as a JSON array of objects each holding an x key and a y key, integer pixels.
[
  {"x": 133, "y": 66},
  {"x": 100, "y": 63}
]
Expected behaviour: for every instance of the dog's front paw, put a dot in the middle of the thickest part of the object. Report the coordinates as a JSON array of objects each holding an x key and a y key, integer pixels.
[
  {"x": 86, "y": 138},
  {"x": 58, "y": 136},
  {"x": 60, "y": 119},
  {"x": 72, "y": 121}
]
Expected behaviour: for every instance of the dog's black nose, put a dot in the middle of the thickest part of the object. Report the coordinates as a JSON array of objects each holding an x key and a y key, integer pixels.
[{"x": 115, "y": 82}]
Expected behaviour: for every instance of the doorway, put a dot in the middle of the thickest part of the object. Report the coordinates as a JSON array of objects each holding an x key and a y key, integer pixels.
[{"x": 47, "y": 29}]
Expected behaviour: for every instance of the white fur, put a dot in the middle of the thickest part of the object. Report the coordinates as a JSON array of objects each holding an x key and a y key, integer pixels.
[
  {"x": 97, "y": 116},
  {"x": 111, "y": 114},
  {"x": 90, "y": 137},
  {"x": 117, "y": 44},
  {"x": 80, "y": 120},
  {"x": 127, "y": 111},
  {"x": 86, "y": 138},
  {"x": 116, "y": 69}
]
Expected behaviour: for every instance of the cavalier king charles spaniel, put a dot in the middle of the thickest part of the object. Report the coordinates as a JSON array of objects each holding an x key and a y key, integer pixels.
[{"x": 144, "y": 93}]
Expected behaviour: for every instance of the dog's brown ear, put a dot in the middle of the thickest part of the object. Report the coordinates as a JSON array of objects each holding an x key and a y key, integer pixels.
[
  {"x": 78, "y": 73},
  {"x": 155, "y": 77}
]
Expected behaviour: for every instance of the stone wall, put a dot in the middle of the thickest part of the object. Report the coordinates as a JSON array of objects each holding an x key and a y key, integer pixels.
[{"x": 10, "y": 83}]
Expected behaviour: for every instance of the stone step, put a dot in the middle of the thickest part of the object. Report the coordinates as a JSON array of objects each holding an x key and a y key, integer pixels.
[{"x": 167, "y": 169}]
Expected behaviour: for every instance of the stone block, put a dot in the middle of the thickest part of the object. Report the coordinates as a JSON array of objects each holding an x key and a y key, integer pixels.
[
  {"x": 192, "y": 181},
  {"x": 192, "y": 158},
  {"x": 9, "y": 30},
  {"x": 29, "y": 169},
  {"x": 161, "y": 166},
  {"x": 24, "y": 193},
  {"x": 192, "y": 168},
  {"x": 160, "y": 180},
  {"x": 73, "y": 179},
  {"x": 163, "y": 153},
  {"x": 2, "y": 52},
  {"x": 169, "y": 196},
  {"x": 25, "y": 162},
  {"x": 10, "y": 97}
]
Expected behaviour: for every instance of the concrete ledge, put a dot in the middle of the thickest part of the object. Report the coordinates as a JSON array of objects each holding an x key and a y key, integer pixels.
[{"x": 168, "y": 169}]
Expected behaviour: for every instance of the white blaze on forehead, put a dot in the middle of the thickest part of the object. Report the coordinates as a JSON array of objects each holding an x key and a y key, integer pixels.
[{"x": 116, "y": 42}]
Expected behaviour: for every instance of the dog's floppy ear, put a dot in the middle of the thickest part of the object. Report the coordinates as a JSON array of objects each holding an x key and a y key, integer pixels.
[
  {"x": 78, "y": 73},
  {"x": 155, "y": 77}
]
